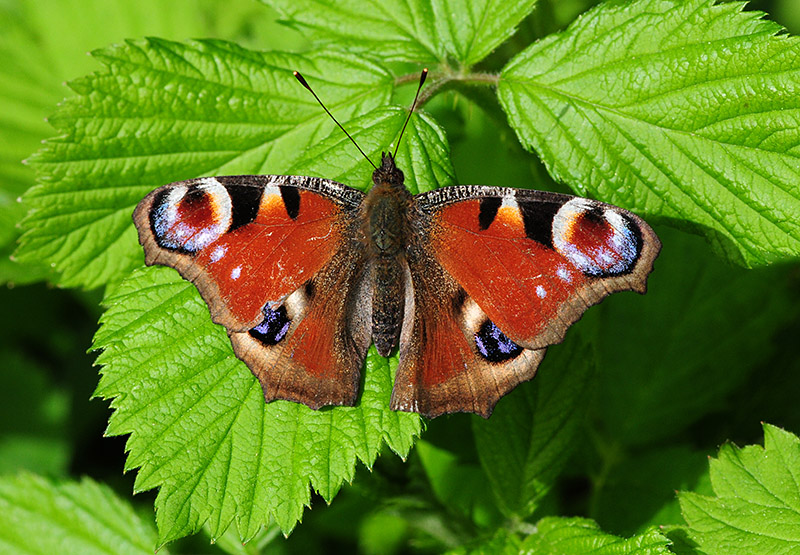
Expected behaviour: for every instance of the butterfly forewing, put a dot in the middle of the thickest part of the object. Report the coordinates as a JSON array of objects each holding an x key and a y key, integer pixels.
[
  {"x": 265, "y": 252},
  {"x": 533, "y": 260}
]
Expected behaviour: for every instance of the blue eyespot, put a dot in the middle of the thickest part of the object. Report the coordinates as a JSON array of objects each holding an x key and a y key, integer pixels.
[
  {"x": 493, "y": 345},
  {"x": 273, "y": 327}
]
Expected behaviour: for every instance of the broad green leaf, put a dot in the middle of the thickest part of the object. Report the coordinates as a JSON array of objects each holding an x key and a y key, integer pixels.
[
  {"x": 564, "y": 536},
  {"x": 702, "y": 327},
  {"x": 685, "y": 109},
  {"x": 162, "y": 111},
  {"x": 472, "y": 29},
  {"x": 420, "y": 31},
  {"x": 44, "y": 43},
  {"x": 84, "y": 517},
  {"x": 200, "y": 429},
  {"x": 528, "y": 439},
  {"x": 395, "y": 31},
  {"x": 756, "y": 508}
]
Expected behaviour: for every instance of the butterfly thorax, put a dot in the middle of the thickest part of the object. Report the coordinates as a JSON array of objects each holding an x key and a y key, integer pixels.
[{"x": 386, "y": 231}]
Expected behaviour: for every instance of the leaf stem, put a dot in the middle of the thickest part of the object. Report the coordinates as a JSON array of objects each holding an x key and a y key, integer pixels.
[{"x": 447, "y": 80}]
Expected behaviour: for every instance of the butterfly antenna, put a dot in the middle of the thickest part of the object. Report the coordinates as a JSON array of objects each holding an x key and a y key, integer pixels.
[
  {"x": 303, "y": 82},
  {"x": 422, "y": 78}
]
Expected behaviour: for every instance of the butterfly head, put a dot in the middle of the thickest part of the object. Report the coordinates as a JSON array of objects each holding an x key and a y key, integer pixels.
[{"x": 388, "y": 172}]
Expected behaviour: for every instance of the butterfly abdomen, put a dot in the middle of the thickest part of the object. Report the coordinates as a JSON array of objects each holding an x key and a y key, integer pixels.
[{"x": 387, "y": 304}]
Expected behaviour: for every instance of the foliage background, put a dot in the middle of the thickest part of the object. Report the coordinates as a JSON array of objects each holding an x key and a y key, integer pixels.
[{"x": 726, "y": 336}]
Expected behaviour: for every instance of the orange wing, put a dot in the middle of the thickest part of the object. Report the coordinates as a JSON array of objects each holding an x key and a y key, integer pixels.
[
  {"x": 498, "y": 275},
  {"x": 259, "y": 248}
]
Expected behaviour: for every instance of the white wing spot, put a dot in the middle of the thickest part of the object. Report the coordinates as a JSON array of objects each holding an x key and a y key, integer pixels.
[
  {"x": 509, "y": 201},
  {"x": 272, "y": 190},
  {"x": 218, "y": 253},
  {"x": 541, "y": 292},
  {"x": 563, "y": 273},
  {"x": 236, "y": 272}
]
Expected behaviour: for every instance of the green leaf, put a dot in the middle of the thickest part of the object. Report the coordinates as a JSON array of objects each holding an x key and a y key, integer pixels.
[
  {"x": 44, "y": 43},
  {"x": 162, "y": 111},
  {"x": 418, "y": 31},
  {"x": 528, "y": 439},
  {"x": 84, "y": 517},
  {"x": 757, "y": 504},
  {"x": 472, "y": 29},
  {"x": 200, "y": 430},
  {"x": 702, "y": 327},
  {"x": 685, "y": 109},
  {"x": 398, "y": 32},
  {"x": 579, "y": 535}
]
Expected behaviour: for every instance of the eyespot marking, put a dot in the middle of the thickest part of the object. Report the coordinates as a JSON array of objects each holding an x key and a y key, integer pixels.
[
  {"x": 493, "y": 345},
  {"x": 273, "y": 328},
  {"x": 597, "y": 239},
  {"x": 188, "y": 218}
]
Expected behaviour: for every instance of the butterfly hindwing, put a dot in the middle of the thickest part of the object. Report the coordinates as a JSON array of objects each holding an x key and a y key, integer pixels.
[
  {"x": 442, "y": 369},
  {"x": 312, "y": 347},
  {"x": 510, "y": 270},
  {"x": 262, "y": 251}
]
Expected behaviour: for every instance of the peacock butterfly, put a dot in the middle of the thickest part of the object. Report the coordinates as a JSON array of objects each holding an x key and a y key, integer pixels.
[{"x": 470, "y": 283}]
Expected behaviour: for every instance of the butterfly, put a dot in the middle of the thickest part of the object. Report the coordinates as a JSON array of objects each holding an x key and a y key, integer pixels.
[{"x": 469, "y": 283}]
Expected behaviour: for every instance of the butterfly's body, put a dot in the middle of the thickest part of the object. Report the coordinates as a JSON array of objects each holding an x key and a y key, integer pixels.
[
  {"x": 386, "y": 232},
  {"x": 472, "y": 283}
]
